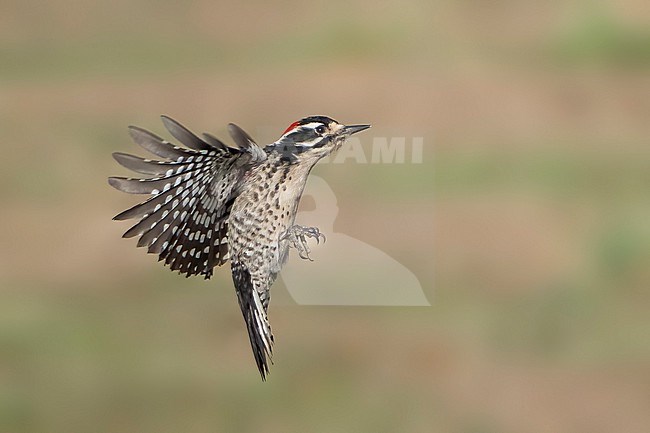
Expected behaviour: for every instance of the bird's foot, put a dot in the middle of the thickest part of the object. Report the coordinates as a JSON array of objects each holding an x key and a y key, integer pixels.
[{"x": 297, "y": 238}]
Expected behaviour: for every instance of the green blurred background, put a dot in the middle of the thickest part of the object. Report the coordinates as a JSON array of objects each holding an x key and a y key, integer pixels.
[{"x": 527, "y": 223}]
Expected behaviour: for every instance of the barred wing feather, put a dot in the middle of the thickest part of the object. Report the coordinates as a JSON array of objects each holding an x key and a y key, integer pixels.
[{"x": 185, "y": 221}]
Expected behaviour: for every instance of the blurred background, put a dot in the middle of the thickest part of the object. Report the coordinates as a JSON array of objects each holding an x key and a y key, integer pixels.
[{"x": 527, "y": 223}]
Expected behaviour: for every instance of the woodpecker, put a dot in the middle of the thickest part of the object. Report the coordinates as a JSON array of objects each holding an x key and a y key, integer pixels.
[{"x": 210, "y": 203}]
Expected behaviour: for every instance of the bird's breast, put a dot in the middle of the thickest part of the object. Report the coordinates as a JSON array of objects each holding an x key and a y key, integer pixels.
[{"x": 264, "y": 210}]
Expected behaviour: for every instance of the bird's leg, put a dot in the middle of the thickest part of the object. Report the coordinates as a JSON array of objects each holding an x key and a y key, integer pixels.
[{"x": 297, "y": 237}]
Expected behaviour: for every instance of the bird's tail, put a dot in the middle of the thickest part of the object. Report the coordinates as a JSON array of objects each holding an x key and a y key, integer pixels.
[{"x": 253, "y": 308}]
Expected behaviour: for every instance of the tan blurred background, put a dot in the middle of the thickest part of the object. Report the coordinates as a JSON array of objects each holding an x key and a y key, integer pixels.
[{"x": 528, "y": 223}]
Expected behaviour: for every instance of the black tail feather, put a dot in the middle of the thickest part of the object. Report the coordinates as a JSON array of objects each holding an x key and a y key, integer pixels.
[{"x": 257, "y": 324}]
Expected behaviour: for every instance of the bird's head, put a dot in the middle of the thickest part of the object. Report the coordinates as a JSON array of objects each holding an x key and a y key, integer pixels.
[{"x": 316, "y": 136}]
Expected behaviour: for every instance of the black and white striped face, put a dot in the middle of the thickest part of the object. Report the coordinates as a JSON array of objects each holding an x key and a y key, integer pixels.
[
  {"x": 316, "y": 135},
  {"x": 310, "y": 133}
]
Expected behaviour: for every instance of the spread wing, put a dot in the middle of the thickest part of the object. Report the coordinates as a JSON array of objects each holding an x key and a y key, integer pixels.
[{"x": 192, "y": 188}]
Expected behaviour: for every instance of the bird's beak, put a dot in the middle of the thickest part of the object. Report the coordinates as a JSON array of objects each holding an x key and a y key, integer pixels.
[{"x": 353, "y": 129}]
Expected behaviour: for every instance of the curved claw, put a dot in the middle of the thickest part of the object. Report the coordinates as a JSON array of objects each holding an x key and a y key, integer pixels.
[
  {"x": 305, "y": 257},
  {"x": 297, "y": 237},
  {"x": 313, "y": 232}
]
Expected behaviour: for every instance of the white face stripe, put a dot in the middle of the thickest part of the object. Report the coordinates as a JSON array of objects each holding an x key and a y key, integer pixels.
[
  {"x": 308, "y": 126},
  {"x": 312, "y": 125}
]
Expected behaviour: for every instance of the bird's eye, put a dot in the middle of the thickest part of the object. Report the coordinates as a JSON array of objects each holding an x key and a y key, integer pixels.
[{"x": 320, "y": 130}]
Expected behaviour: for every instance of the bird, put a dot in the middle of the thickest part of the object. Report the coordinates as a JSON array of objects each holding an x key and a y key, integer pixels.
[{"x": 210, "y": 203}]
